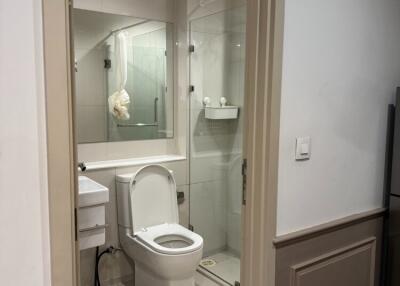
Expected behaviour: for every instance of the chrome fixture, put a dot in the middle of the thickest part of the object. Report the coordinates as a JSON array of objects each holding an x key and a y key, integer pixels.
[{"x": 82, "y": 167}]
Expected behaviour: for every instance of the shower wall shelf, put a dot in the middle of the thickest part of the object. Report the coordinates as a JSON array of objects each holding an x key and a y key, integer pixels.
[{"x": 224, "y": 112}]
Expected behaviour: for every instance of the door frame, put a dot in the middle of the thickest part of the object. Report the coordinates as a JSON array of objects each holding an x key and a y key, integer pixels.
[
  {"x": 61, "y": 154},
  {"x": 264, "y": 45}
]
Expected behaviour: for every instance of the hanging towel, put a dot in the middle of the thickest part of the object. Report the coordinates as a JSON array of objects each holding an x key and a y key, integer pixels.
[{"x": 119, "y": 101}]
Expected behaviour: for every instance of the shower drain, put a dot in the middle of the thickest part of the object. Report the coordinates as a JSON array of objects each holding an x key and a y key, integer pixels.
[{"x": 208, "y": 262}]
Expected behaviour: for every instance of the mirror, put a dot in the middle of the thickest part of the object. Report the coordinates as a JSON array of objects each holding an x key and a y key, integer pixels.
[{"x": 123, "y": 77}]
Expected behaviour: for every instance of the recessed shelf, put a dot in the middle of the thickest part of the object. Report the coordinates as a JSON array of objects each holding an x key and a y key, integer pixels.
[
  {"x": 224, "y": 112},
  {"x": 90, "y": 166}
]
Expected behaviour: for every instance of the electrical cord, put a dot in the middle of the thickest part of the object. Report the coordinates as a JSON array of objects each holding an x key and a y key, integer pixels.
[
  {"x": 96, "y": 268},
  {"x": 110, "y": 250}
]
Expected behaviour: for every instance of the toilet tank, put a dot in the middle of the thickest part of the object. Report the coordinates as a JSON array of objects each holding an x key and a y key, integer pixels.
[{"x": 123, "y": 200}]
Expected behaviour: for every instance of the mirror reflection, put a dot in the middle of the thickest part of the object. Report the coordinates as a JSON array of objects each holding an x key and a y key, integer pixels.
[{"x": 123, "y": 77}]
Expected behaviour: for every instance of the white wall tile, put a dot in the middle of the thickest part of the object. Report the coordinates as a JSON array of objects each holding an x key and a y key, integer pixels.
[
  {"x": 149, "y": 9},
  {"x": 195, "y": 10},
  {"x": 95, "y": 5},
  {"x": 91, "y": 78},
  {"x": 178, "y": 168},
  {"x": 92, "y": 123},
  {"x": 208, "y": 168},
  {"x": 208, "y": 214}
]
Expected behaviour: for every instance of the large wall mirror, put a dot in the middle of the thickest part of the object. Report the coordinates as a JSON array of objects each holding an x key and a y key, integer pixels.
[{"x": 124, "y": 77}]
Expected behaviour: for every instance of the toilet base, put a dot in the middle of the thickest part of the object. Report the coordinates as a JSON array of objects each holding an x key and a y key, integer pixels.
[{"x": 144, "y": 278}]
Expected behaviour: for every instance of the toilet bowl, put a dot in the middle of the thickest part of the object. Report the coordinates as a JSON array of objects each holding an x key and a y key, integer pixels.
[{"x": 164, "y": 252}]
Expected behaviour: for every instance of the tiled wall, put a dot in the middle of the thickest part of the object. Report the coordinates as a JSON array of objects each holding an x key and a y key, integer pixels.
[
  {"x": 149, "y": 79},
  {"x": 147, "y": 74},
  {"x": 91, "y": 95},
  {"x": 117, "y": 268},
  {"x": 162, "y": 10},
  {"x": 215, "y": 190}
]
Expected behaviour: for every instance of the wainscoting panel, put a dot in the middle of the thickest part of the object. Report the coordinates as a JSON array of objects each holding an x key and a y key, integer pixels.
[
  {"x": 355, "y": 264},
  {"x": 345, "y": 252}
]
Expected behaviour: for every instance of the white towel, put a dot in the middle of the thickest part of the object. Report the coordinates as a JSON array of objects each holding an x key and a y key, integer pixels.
[{"x": 119, "y": 101}]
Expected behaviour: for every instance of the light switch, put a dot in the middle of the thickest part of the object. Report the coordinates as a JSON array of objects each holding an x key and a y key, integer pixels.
[{"x": 303, "y": 148}]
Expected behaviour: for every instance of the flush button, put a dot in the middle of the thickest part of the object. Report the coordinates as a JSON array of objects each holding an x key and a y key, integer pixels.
[{"x": 303, "y": 148}]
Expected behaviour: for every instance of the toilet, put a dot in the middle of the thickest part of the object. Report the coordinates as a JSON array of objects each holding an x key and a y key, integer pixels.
[{"x": 164, "y": 252}]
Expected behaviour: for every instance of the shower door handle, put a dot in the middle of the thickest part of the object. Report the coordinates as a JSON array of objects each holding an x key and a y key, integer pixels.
[{"x": 244, "y": 181}]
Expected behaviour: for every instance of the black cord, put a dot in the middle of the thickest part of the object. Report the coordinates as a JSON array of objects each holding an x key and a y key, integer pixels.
[
  {"x": 110, "y": 250},
  {"x": 96, "y": 268}
]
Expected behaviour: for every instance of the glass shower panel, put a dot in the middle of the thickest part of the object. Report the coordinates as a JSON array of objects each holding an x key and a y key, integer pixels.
[{"x": 217, "y": 70}]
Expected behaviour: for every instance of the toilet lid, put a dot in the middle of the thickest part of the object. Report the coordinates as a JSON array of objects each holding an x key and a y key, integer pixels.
[{"x": 153, "y": 198}]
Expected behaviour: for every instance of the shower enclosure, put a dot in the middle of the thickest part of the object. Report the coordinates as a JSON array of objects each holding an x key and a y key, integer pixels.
[{"x": 217, "y": 64}]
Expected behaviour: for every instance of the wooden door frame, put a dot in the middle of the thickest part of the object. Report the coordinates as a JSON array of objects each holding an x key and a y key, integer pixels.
[
  {"x": 264, "y": 44},
  {"x": 64, "y": 251}
]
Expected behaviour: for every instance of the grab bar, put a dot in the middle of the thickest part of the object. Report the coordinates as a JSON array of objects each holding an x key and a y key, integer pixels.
[
  {"x": 155, "y": 123},
  {"x": 137, "y": 124},
  {"x": 156, "y": 110}
]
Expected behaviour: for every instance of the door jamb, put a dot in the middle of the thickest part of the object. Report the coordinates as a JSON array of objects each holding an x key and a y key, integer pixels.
[
  {"x": 264, "y": 42},
  {"x": 64, "y": 250},
  {"x": 263, "y": 87}
]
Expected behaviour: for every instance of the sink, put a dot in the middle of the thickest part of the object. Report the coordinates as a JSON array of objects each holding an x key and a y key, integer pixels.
[{"x": 91, "y": 193}]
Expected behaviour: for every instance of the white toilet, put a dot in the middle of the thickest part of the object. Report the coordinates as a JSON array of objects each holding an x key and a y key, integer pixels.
[{"x": 164, "y": 252}]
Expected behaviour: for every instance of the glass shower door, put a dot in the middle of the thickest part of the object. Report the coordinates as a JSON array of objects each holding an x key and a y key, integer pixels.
[{"x": 217, "y": 65}]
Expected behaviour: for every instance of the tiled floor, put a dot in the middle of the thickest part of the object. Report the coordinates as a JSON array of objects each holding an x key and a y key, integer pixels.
[
  {"x": 227, "y": 266},
  {"x": 203, "y": 280}
]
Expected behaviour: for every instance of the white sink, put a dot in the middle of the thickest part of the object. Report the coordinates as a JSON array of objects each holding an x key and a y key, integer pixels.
[{"x": 91, "y": 193}]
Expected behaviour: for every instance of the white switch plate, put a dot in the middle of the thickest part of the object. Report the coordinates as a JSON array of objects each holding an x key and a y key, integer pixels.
[{"x": 303, "y": 148}]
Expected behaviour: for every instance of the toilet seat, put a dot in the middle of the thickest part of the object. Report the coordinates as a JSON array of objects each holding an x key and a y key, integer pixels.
[{"x": 157, "y": 237}]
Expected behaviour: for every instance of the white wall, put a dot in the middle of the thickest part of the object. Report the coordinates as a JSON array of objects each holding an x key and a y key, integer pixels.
[
  {"x": 340, "y": 70},
  {"x": 24, "y": 237}
]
